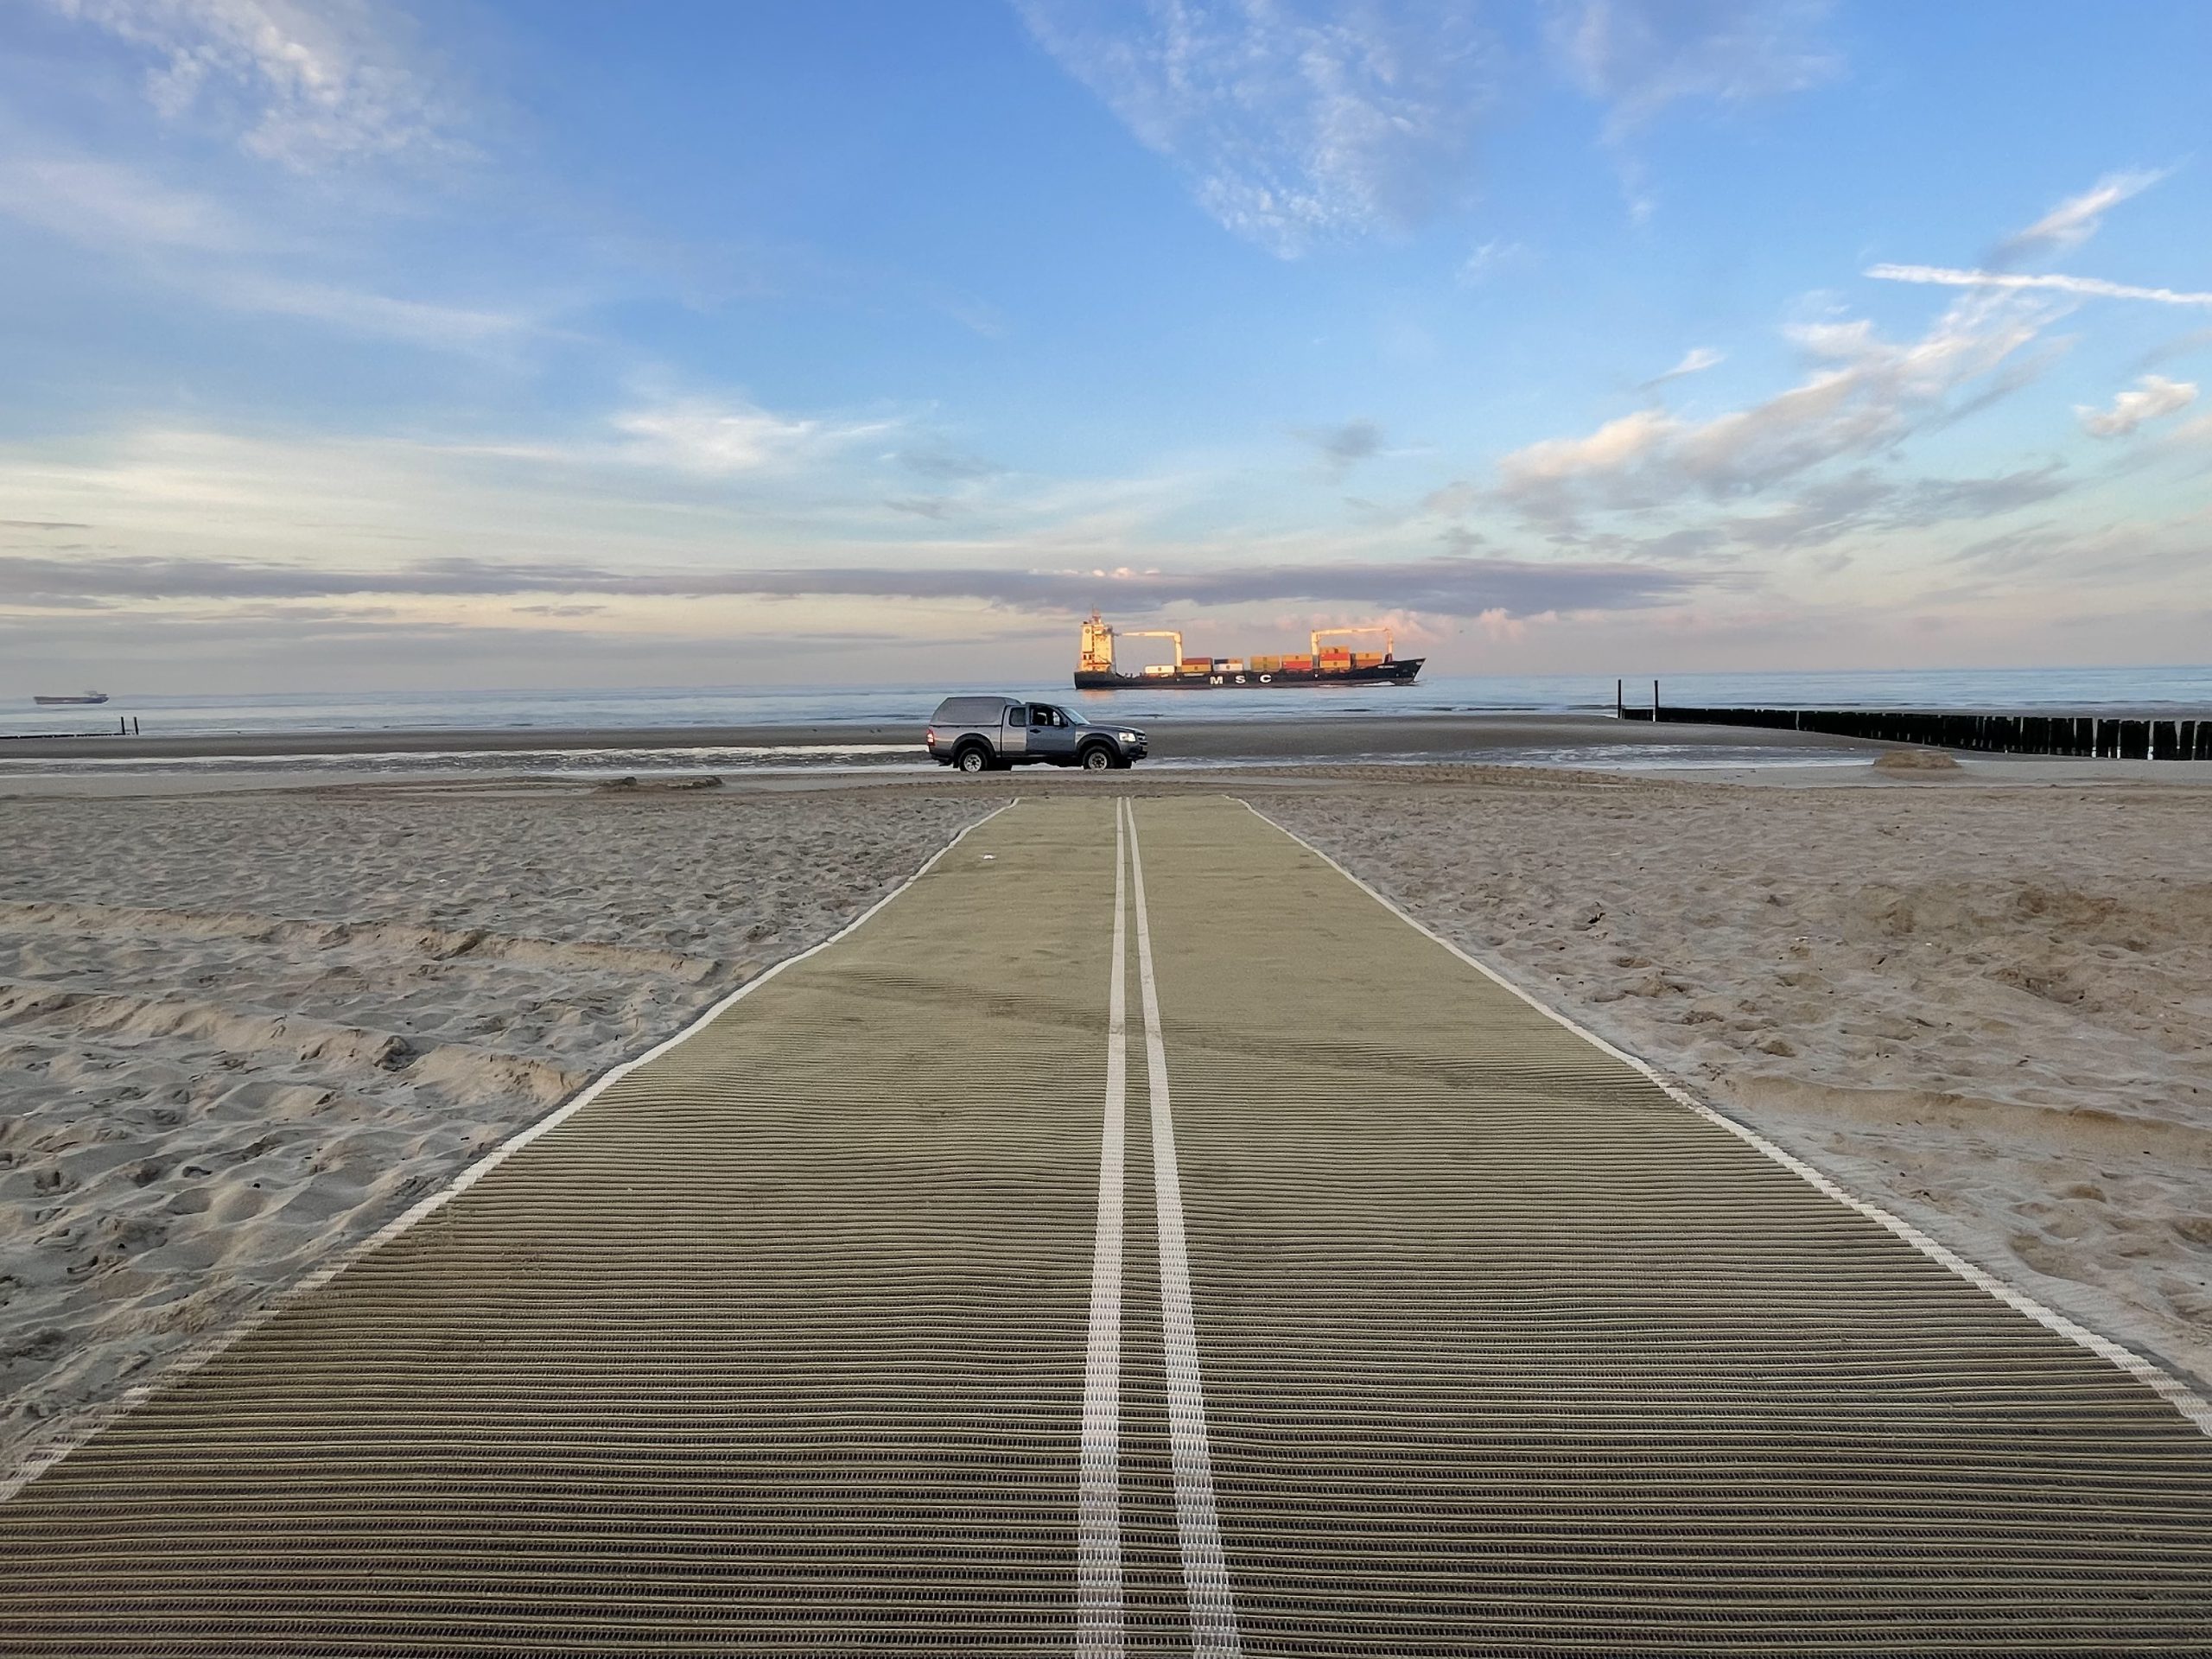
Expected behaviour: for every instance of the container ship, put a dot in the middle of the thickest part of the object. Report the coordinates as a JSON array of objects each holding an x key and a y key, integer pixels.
[{"x": 1321, "y": 665}]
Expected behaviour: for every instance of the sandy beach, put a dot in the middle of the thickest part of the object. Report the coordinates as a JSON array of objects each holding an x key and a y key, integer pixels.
[{"x": 239, "y": 1032}]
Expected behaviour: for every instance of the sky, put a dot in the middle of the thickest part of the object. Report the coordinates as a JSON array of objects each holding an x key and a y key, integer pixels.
[{"x": 357, "y": 346}]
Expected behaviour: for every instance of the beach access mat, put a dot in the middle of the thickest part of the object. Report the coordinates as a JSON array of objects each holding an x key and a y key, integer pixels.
[{"x": 1135, "y": 1237}]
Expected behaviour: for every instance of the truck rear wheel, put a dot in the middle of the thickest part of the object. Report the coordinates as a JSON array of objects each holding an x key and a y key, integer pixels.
[{"x": 973, "y": 758}]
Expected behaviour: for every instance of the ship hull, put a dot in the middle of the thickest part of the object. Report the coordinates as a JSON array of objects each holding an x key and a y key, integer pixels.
[
  {"x": 68, "y": 702},
  {"x": 1397, "y": 673}
]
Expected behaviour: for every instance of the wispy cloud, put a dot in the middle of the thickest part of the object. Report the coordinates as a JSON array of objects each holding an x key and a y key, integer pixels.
[
  {"x": 303, "y": 85},
  {"x": 714, "y": 438},
  {"x": 1343, "y": 448},
  {"x": 1862, "y": 395},
  {"x": 190, "y": 243},
  {"x": 1488, "y": 260},
  {"x": 2153, "y": 398},
  {"x": 100, "y": 205},
  {"x": 1638, "y": 56},
  {"x": 2074, "y": 220},
  {"x": 360, "y": 311},
  {"x": 2088, "y": 287},
  {"x": 1696, "y": 360},
  {"x": 1296, "y": 124},
  {"x": 1456, "y": 586}
]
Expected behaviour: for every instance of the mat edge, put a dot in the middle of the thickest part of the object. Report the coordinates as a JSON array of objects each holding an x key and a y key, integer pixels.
[
  {"x": 2170, "y": 1388},
  {"x": 193, "y": 1359}
]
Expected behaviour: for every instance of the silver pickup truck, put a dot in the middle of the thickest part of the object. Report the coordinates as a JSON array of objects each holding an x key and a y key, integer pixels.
[{"x": 988, "y": 734}]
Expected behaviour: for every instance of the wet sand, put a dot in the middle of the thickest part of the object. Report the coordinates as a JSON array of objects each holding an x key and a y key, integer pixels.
[{"x": 1173, "y": 736}]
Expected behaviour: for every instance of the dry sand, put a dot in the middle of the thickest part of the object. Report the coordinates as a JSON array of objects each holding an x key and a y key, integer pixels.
[
  {"x": 238, "y": 1034},
  {"x": 1988, "y": 1009}
]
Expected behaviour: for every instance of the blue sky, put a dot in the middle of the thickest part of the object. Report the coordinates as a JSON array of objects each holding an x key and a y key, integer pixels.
[{"x": 349, "y": 344}]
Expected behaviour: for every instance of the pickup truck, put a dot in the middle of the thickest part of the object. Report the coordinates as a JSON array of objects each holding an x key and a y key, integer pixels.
[{"x": 990, "y": 733}]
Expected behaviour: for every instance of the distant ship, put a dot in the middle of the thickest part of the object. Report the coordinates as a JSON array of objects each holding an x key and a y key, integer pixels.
[
  {"x": 1333, "y": 665},
  {"x": 81, "y": 698}
]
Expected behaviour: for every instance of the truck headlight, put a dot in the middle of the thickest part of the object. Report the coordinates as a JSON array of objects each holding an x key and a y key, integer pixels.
[{"x": 1127, "y": 737}]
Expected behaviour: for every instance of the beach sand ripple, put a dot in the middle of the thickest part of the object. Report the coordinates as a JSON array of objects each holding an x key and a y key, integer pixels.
[{"x": 239, "y": 1033}]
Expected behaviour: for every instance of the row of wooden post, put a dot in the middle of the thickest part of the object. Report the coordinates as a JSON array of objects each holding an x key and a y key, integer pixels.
[{"x": 2090, "y": 736}]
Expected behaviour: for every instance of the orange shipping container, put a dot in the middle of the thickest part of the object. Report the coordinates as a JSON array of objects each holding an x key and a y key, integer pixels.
[{"x": 1300, "y": 664}]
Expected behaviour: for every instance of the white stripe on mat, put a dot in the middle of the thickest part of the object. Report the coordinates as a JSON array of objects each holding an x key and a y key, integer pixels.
[
  {"x": 2172, "y": 1389},
  {"x": 1098, "y": 1544},
  {"x": 1198, "y": 1525}
]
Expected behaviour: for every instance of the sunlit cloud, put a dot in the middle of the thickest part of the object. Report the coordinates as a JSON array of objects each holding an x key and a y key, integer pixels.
[
  {"x": 303, "y": 85},
  {"x": 2074, "y": 220},
  {"x": 2153, "y": 398}
]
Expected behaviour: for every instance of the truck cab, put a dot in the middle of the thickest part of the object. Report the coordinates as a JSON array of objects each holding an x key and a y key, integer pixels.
[{"x": 989, "y": 734}]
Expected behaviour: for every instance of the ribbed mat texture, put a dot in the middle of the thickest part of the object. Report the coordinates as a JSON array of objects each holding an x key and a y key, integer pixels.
[{"x": 781, "y": 1343}]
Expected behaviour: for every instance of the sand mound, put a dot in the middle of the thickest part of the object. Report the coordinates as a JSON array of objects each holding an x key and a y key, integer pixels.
[{"x": 1918, "y": 760}]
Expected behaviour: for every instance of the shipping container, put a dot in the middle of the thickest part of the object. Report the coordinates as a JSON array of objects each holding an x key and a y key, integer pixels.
[
  {"x": 1298, "y": 664},
  {"x": 1266, "y": 664}
]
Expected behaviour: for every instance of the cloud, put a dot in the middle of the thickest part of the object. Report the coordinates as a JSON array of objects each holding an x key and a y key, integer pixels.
[
  {"x": 1459, "y": 586},
  {"x": 946, "y": 465},
  {"x": 2074, "y": 220},
  {"x": 1638, "y": 56},
  {"x": 1295, "y": 124},
  {"x": 1345, "y": 447},
  {"x": 2153, "y": 398},
  {"x": 97, "y": 204},
  {"x": 420, "y": 322},
  {"x": 2091, "y": 287},
  {"x": 1863, "y": 501},
  {"x": 1696, "y": 360},
  {"x": 303, "y": 84},
  {"x": 715, "y": 439},
  {"x": 1487, "y": 260},
  {"x": 1862, "y": 395}
]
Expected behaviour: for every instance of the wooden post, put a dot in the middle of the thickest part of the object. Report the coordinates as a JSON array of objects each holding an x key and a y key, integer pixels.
[
  {"x": 1617, "y": 699},
  {"x": 1654, "y": 702}
]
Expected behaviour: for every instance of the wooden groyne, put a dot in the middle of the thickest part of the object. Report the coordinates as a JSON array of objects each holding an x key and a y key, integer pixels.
[{"x": 2091, "y": 737}]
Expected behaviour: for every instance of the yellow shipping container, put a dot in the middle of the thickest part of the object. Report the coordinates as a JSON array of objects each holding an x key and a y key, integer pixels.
[{"x": 1266, "y": 665}]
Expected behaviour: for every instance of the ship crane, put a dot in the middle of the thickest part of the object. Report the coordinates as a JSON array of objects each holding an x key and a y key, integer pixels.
[
  {"x": 1098, "y": 637},
  {"x": 1389, "y": 639}
]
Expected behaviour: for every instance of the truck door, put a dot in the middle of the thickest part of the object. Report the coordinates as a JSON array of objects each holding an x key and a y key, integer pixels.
[
  {"x": 1049, "y": 734},
  {"x": 1014, "y": 730}
]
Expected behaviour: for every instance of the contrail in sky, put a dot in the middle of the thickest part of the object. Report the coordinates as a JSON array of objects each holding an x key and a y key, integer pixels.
[{"x": 1946, "y": 277}]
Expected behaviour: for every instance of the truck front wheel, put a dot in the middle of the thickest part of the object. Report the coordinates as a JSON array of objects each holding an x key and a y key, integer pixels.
[{"x": 1097, "y": 758}]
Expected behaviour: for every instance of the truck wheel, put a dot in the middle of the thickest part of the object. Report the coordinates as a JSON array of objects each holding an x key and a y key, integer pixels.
[
  {"x": 1097, "y": 758},
  {"x": 973, "y": 758}
]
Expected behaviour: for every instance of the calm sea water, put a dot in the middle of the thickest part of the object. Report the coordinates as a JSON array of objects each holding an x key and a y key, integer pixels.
[{"x": 2074, "y": 690}]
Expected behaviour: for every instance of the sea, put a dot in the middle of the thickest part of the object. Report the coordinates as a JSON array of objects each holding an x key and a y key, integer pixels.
[{"x": 2152, "y": 691}]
